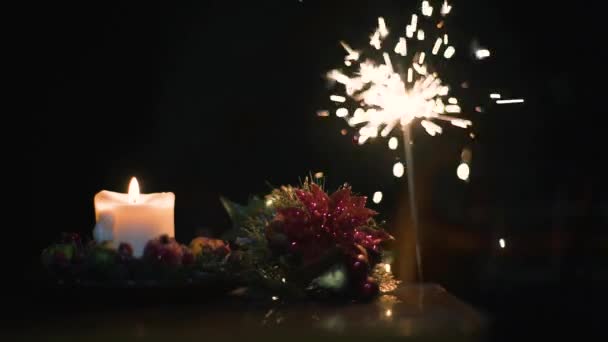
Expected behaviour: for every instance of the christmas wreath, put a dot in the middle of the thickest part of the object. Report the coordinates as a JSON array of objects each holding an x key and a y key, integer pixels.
[{"x": 297, "y": 242}]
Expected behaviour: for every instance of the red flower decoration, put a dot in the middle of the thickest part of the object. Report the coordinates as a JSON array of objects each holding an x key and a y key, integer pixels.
[{"x": 340, "y": 220}]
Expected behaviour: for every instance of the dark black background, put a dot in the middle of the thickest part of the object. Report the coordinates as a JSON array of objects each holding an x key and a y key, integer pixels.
[{"x": 217, "y": 98}]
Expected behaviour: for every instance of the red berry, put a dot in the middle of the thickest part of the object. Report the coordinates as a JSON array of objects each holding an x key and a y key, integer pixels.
[
  {"x": 362, "y": 258},
  {"x": 188, "y": 258},
  {"x": 368, "y": 289},
  {"x": 358, "y": 270},
  {"x": 169, "y": 257}
]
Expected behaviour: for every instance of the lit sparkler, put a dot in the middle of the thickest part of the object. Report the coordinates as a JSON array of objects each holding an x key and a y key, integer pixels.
[
  {"x": 389, "y": 92},
  {"x": 403, "y": 85}
]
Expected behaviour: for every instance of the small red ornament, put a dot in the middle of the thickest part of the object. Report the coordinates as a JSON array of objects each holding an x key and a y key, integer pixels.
[
  {"x": 164, "y": 250},
  {"x": 368, "y": 289},
  {"x": 188, "y": 258},
  {"x": 358, "y": 270},
  {"x": 169, "y": 257}
]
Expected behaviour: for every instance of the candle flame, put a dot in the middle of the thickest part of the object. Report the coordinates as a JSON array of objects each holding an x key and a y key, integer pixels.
[{"x": 133, "y": 191}]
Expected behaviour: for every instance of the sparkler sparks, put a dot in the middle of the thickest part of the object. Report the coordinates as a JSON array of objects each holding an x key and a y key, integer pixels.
[
  {"x": 510, "y": 101},
  {"x": 398, "y": 169},
  {"x": 463, "y": 171},
  {"x": 397, "y": 83},
  {"x": 482, "y": 53},
  {"x": 391, "y": 91},
  {"x": 377, "y": 198}
]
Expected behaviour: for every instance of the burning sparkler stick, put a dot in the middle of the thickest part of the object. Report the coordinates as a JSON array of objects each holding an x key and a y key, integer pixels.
[{"x": 403, "y": 86}]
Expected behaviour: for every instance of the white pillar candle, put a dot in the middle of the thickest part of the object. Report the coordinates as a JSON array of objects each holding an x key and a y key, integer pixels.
[{"x": 133, "y": 218}]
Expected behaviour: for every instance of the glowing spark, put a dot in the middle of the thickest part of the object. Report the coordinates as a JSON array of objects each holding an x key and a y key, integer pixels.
[
  {"x": 445, "y": 39},
  {"x": 342, "y": 112},
  {"x": 393, "y": 143},
  {"x": 322, "y": 113},
  {"x": 337, "y": 98},
  {"x": 269, "y": 203},
  {"x": 387, "y": 130},
  {"x": 319, "y": 175},
  {"x": 427, "y": 9},
  {"x": 431, "y": 128},
  {"x": 368, "y": 131},
  {"x": 420, "y": 34},
  {"x": 283, "y": 280},
  {"x": 421, "y": 58},
  {"x": 398, "y": 170},
  {"x": 449, "y": 52},
  {"x": 445, "y": 8},
  {"x": 388, "y": 313},
  {"x": 461, "y": 123},
  {"x": 275, "y": 298},
  {"x": 463, "y": 171},
  {"x": 437, "y": 46},
  {"x": 409, "y": 31},
  {"x": 421, "y": 69},
  {"x": 482, "y": 53},
  {"x": 352, "y": 54},
  {"x": 401, "y": 47},
  {"x": 494, "y": 96},
  {"x": 375, "y": 40},
  {"x": 452, "y": 109},
  {"x": 377, "y": 198},
  {"x": 387, "y": 61},
  {"x": 388, "y": 97},
  {"x": 339, "y": 77},
  {"x": 343, "y": 131},
  {"x": 510, "y": 101},
  {"x": 387, "y": 267},
  {"x": 382, "y": 27},
  {"x": 358, "y": 117},
  {"x": 439, "y": 106},
  {"x": 502, "y": 243}
]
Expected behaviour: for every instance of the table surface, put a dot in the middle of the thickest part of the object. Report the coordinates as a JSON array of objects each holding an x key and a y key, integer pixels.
[{"x": 424, "y": 311}]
